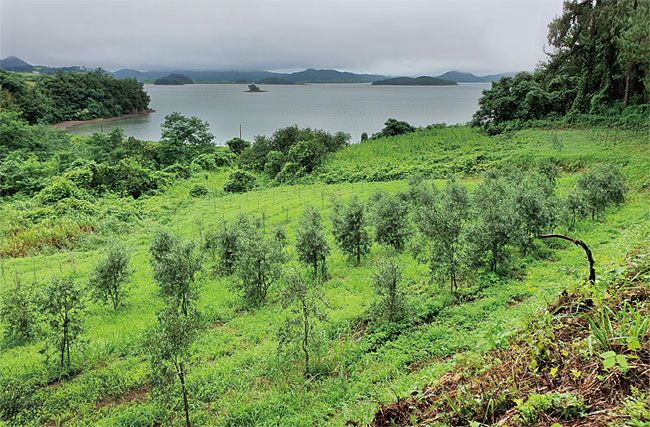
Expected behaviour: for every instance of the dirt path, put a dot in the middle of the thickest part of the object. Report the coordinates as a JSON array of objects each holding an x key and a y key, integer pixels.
[{"x": 72, "y": 123}]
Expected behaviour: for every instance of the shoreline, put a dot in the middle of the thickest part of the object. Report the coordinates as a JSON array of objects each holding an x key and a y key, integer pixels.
[{"x": 67, "y": 125}]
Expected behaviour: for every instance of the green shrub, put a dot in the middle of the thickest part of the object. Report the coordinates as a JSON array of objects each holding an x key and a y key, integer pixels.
[
  {"x": 60, "y": 189},
  {"x": 239, "y": 181},
  {"x": 199, "y": 190},
  {"x": 275, "y": 160},
  {"x": 224, "y": 158},
  {"x": 205, "y": 161}
]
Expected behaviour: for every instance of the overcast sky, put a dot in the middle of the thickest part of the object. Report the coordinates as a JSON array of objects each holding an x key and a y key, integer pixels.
[{"x": 386, "y": 37}]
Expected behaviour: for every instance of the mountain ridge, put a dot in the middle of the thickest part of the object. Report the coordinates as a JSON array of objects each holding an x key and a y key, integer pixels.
[{"x": 309, "y": 75}]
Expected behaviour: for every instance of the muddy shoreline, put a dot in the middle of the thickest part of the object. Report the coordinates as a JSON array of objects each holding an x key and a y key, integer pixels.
[{"x": 72, "y": 123}]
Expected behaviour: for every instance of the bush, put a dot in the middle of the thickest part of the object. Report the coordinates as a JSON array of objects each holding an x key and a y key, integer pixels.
[
  {"x": 239, "y": 181},
  {"x": 60, "y": 189},
  {"x": 238, "y": 145},
  {"x": 127, "y": 177},
  {"x": 274, "y": 162},
  {"x": 199, "y": 190},
  {"x": 205, "y": 161},
  {"x": 224, "y": 158}
]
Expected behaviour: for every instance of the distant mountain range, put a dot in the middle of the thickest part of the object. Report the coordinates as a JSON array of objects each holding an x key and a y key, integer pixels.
[
  {"x": 307, "y": 76},
  {"x": 460, "y": 77},
  {"x": 310, "y": 75},
  {"x": 418, "y": 81}
]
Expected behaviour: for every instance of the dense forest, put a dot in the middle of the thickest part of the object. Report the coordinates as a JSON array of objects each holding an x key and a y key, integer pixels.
[
  {"x": 486, "y": 275},
  {"x": 71, "y": 96},
  {"x": 598, "y": 65}
]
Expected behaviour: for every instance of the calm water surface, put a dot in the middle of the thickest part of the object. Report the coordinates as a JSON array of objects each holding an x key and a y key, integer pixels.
[{"x": 352, "y": 108}]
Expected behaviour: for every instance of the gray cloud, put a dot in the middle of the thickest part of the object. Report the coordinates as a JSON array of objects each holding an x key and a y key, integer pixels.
[{"x": 387, "y": 37}]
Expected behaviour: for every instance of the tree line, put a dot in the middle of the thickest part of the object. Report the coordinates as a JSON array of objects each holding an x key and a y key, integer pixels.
[
  {"x": 71, "y": 96},
  {"x": 598, "y": 64}
]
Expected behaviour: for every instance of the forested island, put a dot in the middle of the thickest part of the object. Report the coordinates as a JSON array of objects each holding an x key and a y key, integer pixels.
[
  {"x": 174, "y": 79},
  {"x": 488, "y": 274},
  {"x": 417, "y": 81}
]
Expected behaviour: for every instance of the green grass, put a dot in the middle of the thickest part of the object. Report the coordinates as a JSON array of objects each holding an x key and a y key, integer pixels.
[{"x": 236, "y": 376}]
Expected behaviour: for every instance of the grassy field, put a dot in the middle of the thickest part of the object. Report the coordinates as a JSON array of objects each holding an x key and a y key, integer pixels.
[{"x": 236, "y": 376}]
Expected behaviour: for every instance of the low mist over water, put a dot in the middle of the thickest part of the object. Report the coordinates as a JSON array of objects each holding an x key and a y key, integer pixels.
[{"x": 352, "y": 108}]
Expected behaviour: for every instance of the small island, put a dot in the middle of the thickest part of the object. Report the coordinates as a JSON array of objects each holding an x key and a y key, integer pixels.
[
  {"x": 174, "y": 79},
  {"x": 253, "y": 88},
  {"x": 410, "y": 81}
]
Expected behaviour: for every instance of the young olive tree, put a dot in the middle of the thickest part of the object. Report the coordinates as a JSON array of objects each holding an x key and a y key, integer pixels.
[
  {"x": 304, "y": 310},
  {"x": 19, "y": 312},
  {"x": 311, "y": 244},
  {"x": 110, "y": 277},
  {"x": 225, "y": 242},
  {"x": 443, "y": 222},
  {"x": 175, "y": 263},
  {"x": 600, "y": 187},
  {"x": 497, "y": 226},
  {"x": 535, "y": 208},
  {"x": 349, "y": 225},
  {"x": 259, "y": 264},
  {"x": 63, "y": 307},
  {"x": 389, "y": 216},
  {"x": 168, "y": 350},
  {"x": 390, "y": 301}
]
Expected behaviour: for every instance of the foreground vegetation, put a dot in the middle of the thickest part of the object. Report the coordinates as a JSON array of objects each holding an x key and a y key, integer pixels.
[
  {"x": 359, "y": 358},
  {"x": 299, "y": 280}
]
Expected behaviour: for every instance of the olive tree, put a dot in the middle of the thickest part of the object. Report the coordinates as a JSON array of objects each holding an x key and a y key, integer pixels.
[
  {"x": 390, "y": 302},
  {"x": 110, "y": 277},
  {"x": 19, "y": 312},
  {"x": 349, "y": 226},
  {"x": 304, "y": 311},
  {"x": 311, "y": 245},
  {"x": 389, "y": 216},
  {"x": 496, "y": 226},
  {"x": 259, "y": 264},
  {"x": 600, "y": 187},
  {"x": 225, "y": 242},
  {"x": 535, "y": 208},
  {"x": 443, "y": 221},
  {"x": 168, "y": 348},
  {"x": 175, "y": 263},
  {"x": 63, "y": 307}
]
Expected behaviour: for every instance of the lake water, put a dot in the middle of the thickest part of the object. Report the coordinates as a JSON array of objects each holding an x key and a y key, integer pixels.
[{"x": 352, "y": 108}]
